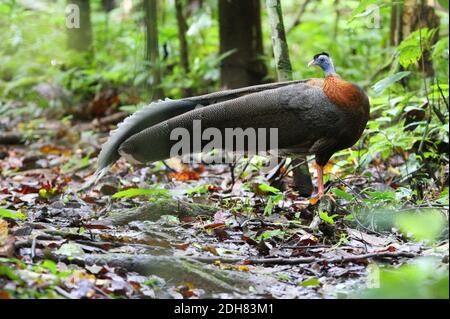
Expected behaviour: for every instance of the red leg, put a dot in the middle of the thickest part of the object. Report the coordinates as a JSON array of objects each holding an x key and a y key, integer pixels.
[{"x": 319, "y": 181}]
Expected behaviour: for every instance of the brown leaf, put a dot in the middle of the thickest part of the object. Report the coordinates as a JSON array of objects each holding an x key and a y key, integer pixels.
[
  {"x": 221, "y": 234},
  {"x": 54, "y": 150},
  {"x": 185, "y": 176},
  {"x": 187, "y": 291},
  {"x": 96, "y": 226},
  {"x": 4, "y": 294},
  {"x": 182, "y": 246},
  {"x": 210, "y": 249},
  {"x": 214, "y": 226}
]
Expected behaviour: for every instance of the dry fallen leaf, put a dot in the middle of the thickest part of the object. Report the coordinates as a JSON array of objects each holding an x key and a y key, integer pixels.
[
  {"x": 3, "y": 232},
  {"x": 185, "y": 176}
]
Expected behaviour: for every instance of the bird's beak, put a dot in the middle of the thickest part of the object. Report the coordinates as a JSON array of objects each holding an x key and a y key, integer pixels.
[{"x": 311, "y": 63}]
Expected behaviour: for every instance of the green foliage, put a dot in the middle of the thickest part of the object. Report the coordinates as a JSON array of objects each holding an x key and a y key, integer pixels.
[
  {"x": 364, "y": 8},
  {"x": 170, "y": 219},
  {"x": 272, "y": 201},
  {"x": 383, "y": 84},
  {"x": 117, "y": 61},
  {"x": 423, "y": 279},
  {"x": 410, "y": 50},
  {"x": 8, "y": 272},
  {"x": 135, "y": 192},
  {"x": 342, "y": 194},
  {"x": 6, "y": 213},
  {"x": 444, "y": 3},
  {"x": 275, "y": 197},
  {"x": 271, "y": 234},
  {"x": 326, "y": 218},
  {"x": 268, "y": 189},
  {"x": 443, "y": 198},
  {"x": 311, "y": 282},
  {"x": 425, "y": 225},
  {"x": 201, "y": 189},
  {"x": 75, "y": 163},
  {"x": 70, "y": 250}
]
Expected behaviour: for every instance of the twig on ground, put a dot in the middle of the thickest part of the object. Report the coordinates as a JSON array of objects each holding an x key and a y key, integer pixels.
[
  {"x": 9, "y": 138},
  {"x": 304, "y": 260},
  {"x": 63, "y": 293}
]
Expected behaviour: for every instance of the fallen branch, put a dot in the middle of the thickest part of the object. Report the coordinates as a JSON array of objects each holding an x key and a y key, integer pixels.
[
  {"x": 10, "y": 138},
  {"x": 177, "y": 270},
  {"x": 110, "y": 119},
  {"x": 154, "y": 210},
  {"x": 304, "y": 260}
]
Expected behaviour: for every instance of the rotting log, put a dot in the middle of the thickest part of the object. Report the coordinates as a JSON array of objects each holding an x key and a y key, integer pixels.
[
  {"x": 152, "y": 211},
  {"x": 177, "y": 270}
]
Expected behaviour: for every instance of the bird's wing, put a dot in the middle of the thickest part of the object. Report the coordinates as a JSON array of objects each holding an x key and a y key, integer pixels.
[{"x": 301, "y": 113}]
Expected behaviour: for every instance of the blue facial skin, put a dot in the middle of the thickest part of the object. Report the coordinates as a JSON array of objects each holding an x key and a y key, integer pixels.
[{"x": 325, "y": 63}]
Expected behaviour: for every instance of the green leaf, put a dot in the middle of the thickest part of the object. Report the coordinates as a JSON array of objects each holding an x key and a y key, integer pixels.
[
  {"x": 426, "y": 278},
  {"x": 70, "y": 250},
  {"x": 8, "y": 272},
  {"x": 270, "y": 234},
  {"x": 361, "y": 8},
  {"x": 129, "y": 108},
  {"x": 283, "y": 277},
  {"x": 440, "y": 47},
  {"x": 425, "y": 225},
  {"x": 328, "y": 219},
  {"x": 340, "y": 193},
  {"x": 382, "y": 195},
  {"x": 50, "y": 265},
  {"x": 410, "y": 49},
  {"x": 134, "y": 192},
  {"x": 443, "y": 3},
  {"x": 311, "y": 282},
  {"x": 202, "y": 189},
  {"x": 272, "y": 201},
  {"x": 443, "y": 197},
  {"x": 6, "y": 213},
  {"x": 268, "y": 189},
  {"x": 382, "y": 85},
  {"x": 170, "y": 219}
]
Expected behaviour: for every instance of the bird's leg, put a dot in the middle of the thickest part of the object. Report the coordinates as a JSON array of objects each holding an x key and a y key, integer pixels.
[{"x": 319, "y": 169}]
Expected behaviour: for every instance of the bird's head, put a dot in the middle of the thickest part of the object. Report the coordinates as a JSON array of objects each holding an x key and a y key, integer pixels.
[{"x": 324, "y": 61}]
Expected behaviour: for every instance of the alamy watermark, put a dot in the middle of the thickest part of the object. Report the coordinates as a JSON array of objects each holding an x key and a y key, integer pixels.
[
  {"x": 72, "y": 16},
  {"x": 236, "y": 141},
  {"x": 373, "y": 277}
]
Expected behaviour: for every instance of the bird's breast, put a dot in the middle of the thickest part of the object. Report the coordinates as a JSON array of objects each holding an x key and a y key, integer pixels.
[{"x": 345, "y": 95}]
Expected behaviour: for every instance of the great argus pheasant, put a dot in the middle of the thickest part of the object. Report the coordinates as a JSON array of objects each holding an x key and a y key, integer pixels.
[{"x": 317, "y": 116}]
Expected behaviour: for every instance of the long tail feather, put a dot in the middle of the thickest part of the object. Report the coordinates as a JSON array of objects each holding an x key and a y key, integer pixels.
[{"x": 157, "y": 112}]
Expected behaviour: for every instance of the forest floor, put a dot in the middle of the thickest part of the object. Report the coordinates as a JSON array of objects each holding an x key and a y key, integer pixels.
[{"x": 179, "y": 231}]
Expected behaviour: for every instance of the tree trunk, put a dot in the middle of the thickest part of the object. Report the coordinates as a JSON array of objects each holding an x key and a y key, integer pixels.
[
  {"x": 78, "y": 23},
  {"x": 396, "y": 11},
  {"x": 108, "y": 5},
  {"x": 240, "y": 30},
  {"x": 302, "y": 178},
  {"x": 279, "y": 43},
  {"x": 152, "y": 47},
  {"x": 184, "y": 51}
]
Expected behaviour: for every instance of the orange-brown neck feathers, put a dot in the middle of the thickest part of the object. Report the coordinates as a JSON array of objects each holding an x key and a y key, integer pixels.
[{"x": 344, "y": 94}]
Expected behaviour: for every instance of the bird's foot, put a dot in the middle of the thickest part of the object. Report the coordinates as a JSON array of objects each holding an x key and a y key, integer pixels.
[{"x": 320, "y": 196}]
